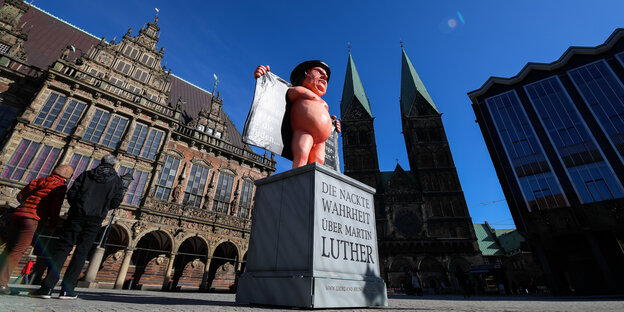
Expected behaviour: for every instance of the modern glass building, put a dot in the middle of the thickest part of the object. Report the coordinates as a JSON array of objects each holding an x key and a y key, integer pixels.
[{"x": 555, "y": 133}]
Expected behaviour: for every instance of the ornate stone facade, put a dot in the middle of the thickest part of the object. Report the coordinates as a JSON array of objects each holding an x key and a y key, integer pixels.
[{"x": 185, "y": 218}]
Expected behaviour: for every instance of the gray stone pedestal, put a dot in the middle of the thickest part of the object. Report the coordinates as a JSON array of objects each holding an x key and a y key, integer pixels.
[{"x": 313, "y": 243}]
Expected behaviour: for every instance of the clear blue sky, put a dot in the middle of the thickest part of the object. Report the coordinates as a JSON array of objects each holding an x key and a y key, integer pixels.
[{"x": 496, "y": 38}]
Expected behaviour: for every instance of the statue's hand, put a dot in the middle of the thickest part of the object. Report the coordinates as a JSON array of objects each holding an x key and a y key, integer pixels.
[
  {"x": 261, "y": 70},
  {"x": 336, "y": 123}
]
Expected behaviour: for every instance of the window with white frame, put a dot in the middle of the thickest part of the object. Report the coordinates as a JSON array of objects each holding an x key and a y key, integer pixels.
[
  {"x": 196, "y": 186},
  {"x": 131, "y": 52},
  {"x": 147, "y": 60},
  {"x": 123, "y": 67},
  {"x": 145, "y": 141},
  {"x": 140, "y": 75},
  {"x": 167, "y": 176}
]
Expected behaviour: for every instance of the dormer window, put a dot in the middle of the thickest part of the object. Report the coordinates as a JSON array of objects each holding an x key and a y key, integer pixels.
[
  {"x": 218, "y": 134},
  {"x": 131, "y": 52},
  {"x": 209, "y": 131},
  {"x": 147, "y": 60},
  {"x": 201, "y": 128},
  {"x": 140, "y": 75},
  {"x": 123, "y": 67}
]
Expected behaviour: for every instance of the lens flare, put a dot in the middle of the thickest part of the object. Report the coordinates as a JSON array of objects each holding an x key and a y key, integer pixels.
[
  {"x": 461, "y": 18},
  {"x": 452, "y": 23}
]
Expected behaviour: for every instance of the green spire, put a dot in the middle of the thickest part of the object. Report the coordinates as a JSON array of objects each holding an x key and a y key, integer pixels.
[
  {"x": 353, "y": 89},
  {"x": 411, "y": 85}
]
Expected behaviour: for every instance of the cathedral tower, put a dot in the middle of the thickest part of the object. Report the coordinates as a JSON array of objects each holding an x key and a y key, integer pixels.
[{"x": 358, "y": 134}]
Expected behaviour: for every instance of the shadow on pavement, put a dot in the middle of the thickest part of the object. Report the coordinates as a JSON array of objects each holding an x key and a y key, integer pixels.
[
  {"x": 510, "y": 298},
  {"x": 136, "y": 298}
]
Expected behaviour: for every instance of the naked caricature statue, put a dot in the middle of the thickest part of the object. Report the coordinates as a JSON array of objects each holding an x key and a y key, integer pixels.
[{"x": 309, "y": 114}]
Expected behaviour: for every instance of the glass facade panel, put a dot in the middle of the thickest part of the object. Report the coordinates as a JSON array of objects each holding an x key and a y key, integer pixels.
[
  {"x": 196, "y": 185},
  {"x": 223, "y": 194},
  {"x": 166, "y": 178},
  {"x": 136, "y": 188},
  {"x": 50, "y": 110},
  {"x": 245, "y": 201},
  {"x": 70, "y": 116},
  {"x": 573, "y": 142},
  {"x": 96, "y": 126},
  {"x": 533, "y": 172},
  {"x": 604, "y": 95},
  {"x": 114, "y": 131}
]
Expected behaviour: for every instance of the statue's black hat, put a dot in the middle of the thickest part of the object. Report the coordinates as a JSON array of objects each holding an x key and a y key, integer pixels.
[{"x": 297, "y": 75}]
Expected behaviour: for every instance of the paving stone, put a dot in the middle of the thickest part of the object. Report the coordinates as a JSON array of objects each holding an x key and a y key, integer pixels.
[{"x": 94, "y": 300}]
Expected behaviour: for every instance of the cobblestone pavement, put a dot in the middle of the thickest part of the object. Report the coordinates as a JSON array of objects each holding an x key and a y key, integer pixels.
[{"x": 92, "y": 300}]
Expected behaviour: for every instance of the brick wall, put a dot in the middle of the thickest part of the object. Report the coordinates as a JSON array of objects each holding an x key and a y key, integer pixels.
[
  {"x": 224, "y": 277},
  {"x": 110, "y": 267},
  {"x": 154, "y": 272},
  {"x": 192, "y": 274}
]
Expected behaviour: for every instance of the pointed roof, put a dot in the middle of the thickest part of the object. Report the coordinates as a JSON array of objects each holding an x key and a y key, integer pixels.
[
  {"x": 411, "y": 85},
  {"x": 353, "y": 88}
]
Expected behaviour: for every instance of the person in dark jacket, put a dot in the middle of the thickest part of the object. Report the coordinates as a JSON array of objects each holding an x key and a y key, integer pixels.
[{"x": 91, "y": 196}]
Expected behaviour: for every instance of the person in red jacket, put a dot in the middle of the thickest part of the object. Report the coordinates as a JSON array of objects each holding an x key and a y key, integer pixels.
[{"x": 40, "y": 200}]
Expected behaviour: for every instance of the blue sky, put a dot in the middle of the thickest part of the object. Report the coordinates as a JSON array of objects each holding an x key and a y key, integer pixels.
[{"x": 496, "y": 38}]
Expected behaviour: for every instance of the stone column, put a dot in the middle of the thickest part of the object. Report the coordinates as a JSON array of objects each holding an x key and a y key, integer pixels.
[
  {"x": 203, "y": 285},
  {"x": 168, "y": 272},
  {"x": 94, "y": 265},
  {"x": 121, "y": 277}
]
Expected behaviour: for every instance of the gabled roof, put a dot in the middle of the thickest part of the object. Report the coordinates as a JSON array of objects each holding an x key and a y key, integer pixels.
[
  {"x": 353, "y": 89},
  {"x": 487, "y": 241},
  {"x": 49, "y": 35},
  {"x": 411, "y": 85},
  {"x": 562, "y": 61}
]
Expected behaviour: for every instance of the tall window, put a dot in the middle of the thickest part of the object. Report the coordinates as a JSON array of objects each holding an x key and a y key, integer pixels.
[
  {"x": 604, "y": 95},
  {"x": 50, "y": 110},
  {"x": 96, "y": 126},
  {"x": 7, "y": 115},
  {"x": 575, "y": 145},
  {"x": 526, "y": 156},
  {"x": 31, "y": 160},
  {"x": 245, "y": 200},
  {"x": 80, "y": 163},
  {"x": 105, "y": 129},
  {"x": 136, "y": 188},
  {"x": 196, "y": 186},
  {"x": 224, "y": 193},
  {"x": 164, "y": 184},
  {"x": 145, "y": 144},
  {"x": 70, "y": 116}
]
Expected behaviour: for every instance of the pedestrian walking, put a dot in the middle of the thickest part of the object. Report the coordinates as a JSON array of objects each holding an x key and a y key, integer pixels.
[
  {"x": 91, "y": 196},
  {"x": 26, "y": 270},
  {"x": 40, "y": 201}
]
